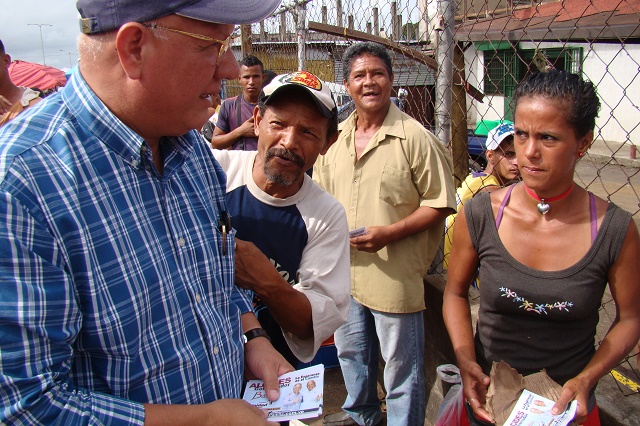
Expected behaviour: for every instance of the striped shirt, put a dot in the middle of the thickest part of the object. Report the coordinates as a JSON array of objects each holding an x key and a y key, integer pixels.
[{"x": 114, "y": 290}]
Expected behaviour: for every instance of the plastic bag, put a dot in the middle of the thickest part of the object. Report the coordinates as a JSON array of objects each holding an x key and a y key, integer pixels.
[{"x": 452, "y": 407}]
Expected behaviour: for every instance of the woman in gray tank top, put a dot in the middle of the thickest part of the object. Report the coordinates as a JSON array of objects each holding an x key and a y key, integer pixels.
[{"x": 546, "y": 250}]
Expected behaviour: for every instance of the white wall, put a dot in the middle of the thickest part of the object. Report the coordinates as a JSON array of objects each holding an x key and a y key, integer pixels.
[
  {"x": 614, "y": 71},
  {"x": 492, "y": 107}
]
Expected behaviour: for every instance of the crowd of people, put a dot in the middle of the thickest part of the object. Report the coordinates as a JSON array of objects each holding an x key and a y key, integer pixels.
[{"x": 147, "y": 273}]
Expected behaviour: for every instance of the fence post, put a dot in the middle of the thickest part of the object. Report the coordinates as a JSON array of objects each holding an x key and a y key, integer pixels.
[
  {"x": 376, "y": 22},
  {"x": 459, "y": 145},
  {"x": 263, "y": 33},
  {"x": 394, "y": 22},
  {"x": 444, "y": 81},
  {"x": 283, "y": 26},
  {"x": 245, "y": 34},
  {"x": 301, "y": 18}
]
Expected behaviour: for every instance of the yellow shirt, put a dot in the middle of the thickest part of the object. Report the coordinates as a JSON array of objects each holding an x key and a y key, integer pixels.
[
  {"x": 402, "y": 168},
  {"x": 469, "y": 188}
]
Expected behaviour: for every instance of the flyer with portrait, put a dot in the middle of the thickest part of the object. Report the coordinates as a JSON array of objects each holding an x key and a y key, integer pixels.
[
  {"x": 300, "y": 395},
  {"x": 535, "y": 410}
]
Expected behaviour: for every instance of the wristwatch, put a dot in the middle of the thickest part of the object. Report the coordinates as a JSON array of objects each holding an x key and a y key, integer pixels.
[{"x": 253, "y": 333}]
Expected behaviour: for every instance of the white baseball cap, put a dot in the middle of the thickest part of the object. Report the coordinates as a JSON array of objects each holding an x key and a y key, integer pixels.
[
  {"x": 319, "y": 91},
  {"x": 498, "y": 134}
]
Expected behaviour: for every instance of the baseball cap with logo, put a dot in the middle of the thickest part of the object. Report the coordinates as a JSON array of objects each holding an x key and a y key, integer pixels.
[
  {"x": 319, "y": 91},
  {"x": 99, "y": 16},
  {"x": 498, "y": 134}
]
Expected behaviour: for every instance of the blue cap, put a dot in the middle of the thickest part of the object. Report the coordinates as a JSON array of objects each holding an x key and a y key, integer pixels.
[
  {"x": 99, "y": 16},
  {"x": 498, "y": 134}
]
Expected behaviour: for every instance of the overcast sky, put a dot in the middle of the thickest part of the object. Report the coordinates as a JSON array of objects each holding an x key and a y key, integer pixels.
[{"x": 22, "y": 41}]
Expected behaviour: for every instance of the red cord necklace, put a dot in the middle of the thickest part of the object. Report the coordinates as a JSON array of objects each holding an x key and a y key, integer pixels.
[{"x": 543, "y": 205}]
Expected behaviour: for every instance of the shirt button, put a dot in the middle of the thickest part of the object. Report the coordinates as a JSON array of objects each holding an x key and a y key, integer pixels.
[
  {"x": 198, "y": 298},
  {"x": 143, "y": 149},
  {"x": 181, "y": 242},
  {"x": 215, "y": 350},
  {"x": 134, "y": 162}
]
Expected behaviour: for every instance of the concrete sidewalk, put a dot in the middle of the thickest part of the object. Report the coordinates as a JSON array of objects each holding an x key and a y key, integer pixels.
[{"x": 603, "y": 152}]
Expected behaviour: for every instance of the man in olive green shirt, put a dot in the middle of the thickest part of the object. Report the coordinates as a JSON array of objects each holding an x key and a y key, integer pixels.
[{"x": 394, "y": 178}]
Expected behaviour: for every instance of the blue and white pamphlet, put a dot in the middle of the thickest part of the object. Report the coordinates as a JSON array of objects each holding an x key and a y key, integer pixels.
[{"x": 301, "y": 395}]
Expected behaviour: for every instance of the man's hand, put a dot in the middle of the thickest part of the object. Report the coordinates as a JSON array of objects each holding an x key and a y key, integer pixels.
[
  {"x": 289, "y": 307},
  {"x": 5, "y": 105},
  {"x": 238, "y": 412},
  {"x": 376, "y": 238},
  {"x": 263, "y": 362},
  {"x": 223, "y": 412},
  {"x": 252, "y": 266},
  {"x": 247, "y": 129}
]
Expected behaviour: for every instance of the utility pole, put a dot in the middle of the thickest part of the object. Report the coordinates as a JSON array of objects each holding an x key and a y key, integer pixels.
[
  {"x": 444, "y": 77},
  {"x": 44, "y": 61},
  {"x": 70, "y": 65}
]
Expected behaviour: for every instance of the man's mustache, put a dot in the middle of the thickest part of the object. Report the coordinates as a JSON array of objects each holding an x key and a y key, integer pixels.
[{"x": 283, "y": 153}]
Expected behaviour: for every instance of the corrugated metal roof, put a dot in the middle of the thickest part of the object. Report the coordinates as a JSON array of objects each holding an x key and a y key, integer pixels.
[{"x": 578, "y": 20}]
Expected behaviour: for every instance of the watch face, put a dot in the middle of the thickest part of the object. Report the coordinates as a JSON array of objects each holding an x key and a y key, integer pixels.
[{"x": 244, "y": 339}]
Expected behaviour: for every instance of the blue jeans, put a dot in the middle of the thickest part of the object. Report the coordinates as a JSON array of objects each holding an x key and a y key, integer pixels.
[{"x": 400, "y": 340}]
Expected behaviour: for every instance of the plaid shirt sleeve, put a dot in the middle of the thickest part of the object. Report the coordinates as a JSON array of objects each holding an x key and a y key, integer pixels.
[
  {"x": 115, "y": 287},
  {"x": 41, "y": 319}
]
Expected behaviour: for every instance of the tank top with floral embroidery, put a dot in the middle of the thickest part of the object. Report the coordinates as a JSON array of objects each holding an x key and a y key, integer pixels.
[{"x": 535, "y": 319}]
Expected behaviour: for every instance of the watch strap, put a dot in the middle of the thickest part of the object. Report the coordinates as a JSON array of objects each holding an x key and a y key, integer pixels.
[{"x": 255, "y": 332}]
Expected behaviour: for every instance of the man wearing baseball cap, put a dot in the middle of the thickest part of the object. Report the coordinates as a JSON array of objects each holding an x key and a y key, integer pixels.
[
  {"x": 292, "y": 246},
  {"x": 117, "y": 262},
  {"x": 501, "y": 170}
]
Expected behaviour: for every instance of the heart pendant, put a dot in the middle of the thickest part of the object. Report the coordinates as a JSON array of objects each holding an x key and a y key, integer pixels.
[{"x": 543, "y": 208}]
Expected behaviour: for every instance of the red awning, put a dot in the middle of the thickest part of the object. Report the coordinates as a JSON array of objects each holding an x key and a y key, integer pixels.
[{"x": 32, "y": 75}]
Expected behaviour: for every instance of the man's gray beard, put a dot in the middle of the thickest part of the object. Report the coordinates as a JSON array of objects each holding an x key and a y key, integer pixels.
[{"x": 279, "y": 178}]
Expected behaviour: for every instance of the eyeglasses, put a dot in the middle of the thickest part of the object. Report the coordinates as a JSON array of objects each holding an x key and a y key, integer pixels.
[{"x": 224, "y": 44}]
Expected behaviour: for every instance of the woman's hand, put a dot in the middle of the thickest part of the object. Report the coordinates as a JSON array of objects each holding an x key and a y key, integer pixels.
[
  {"x": 475, "y": 384},
  {"x": 577, "y": 389}
]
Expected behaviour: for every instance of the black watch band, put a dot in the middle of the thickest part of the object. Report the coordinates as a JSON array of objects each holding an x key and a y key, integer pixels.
[{"x": 253, "y": 333}]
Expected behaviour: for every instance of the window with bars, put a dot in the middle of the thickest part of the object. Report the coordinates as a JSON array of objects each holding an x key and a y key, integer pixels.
[
  {"x": 496, "y": 65},
  {"x": 504, "y": 68}
]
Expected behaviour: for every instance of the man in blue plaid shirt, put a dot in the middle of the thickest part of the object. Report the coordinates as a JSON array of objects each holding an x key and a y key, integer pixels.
[{"x": 117, "y": 295}]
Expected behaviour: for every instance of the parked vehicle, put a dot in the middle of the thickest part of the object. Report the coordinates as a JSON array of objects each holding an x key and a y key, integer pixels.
[{"x": 476, "y": 148}]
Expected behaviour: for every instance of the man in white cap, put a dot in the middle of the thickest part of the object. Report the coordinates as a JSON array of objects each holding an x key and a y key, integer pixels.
[
  {"x": 292, "y": 237},
  {"x": 117, "y": 262},
  {"x": 501, "y": 170}
]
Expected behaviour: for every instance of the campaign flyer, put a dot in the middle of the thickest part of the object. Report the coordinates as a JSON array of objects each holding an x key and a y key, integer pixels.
[
  {"x": 300, "y": 395},
  {"x": 535, "y": 410}
]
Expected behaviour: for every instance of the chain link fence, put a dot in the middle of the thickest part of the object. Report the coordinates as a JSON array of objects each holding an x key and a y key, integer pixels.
[{"x": 485, "y": 47}]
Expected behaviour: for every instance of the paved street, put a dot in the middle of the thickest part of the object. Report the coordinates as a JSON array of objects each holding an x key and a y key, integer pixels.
[
  {"x": 620, "y": 184},
  {"x": 617, "y": 183}
]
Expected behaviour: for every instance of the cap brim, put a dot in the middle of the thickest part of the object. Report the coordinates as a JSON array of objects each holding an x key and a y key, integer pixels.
[
  {"x": 230, "y": 11},
  {"x": 495, "y": 143}
]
